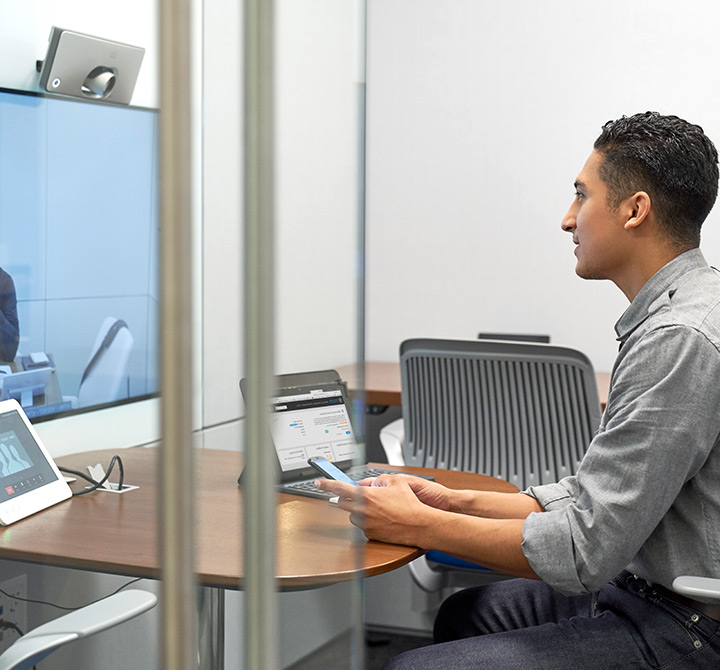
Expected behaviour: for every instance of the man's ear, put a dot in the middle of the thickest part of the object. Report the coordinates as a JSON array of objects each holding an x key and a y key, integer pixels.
[{"x": 638, "y": 209}]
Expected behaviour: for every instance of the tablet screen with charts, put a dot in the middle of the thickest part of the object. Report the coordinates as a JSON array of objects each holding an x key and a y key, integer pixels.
[{"x": 29, "y": 479}]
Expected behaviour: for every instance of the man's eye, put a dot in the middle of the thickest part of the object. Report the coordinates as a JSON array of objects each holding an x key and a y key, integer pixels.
[{"x": 579, "y": 195}]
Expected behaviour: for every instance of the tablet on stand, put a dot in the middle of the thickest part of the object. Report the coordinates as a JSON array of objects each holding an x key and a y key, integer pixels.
[{"x": 29, "y": 479}]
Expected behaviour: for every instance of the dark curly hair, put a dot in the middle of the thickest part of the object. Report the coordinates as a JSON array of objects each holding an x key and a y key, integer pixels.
[{"x": 670, "y": 159}]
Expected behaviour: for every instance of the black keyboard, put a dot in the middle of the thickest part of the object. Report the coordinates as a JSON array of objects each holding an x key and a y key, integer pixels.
[
  {"x": 371, "y": 472},
  {"x": 308, "y": 488}
]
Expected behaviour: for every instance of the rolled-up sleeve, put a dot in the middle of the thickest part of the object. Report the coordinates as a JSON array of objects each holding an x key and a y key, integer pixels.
[
  {"x": 555, "y": 496},
  {"x": 548, "y": 545},
  {"x": 657, "y": 432}
]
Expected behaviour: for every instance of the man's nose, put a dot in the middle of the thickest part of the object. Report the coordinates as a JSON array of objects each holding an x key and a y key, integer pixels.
[{"x": 568, "y": 221}]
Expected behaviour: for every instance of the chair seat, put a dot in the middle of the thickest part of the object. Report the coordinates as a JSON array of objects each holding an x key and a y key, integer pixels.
[{"x": 451, "y": 561}]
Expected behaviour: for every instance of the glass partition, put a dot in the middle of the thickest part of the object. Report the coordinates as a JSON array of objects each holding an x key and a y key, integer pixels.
[
  {"x": 79, "y": 241},
  {"x": 301, "y": 241},
  {"x": 143, "y": 213},
  {"x": 317, "y": 186}
]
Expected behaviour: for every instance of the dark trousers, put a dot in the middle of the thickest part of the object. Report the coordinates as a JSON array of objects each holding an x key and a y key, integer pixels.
[{"x": 523, "y": 624}]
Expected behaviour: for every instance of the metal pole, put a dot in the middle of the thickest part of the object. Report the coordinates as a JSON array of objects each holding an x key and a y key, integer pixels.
[
  {"x": 259, "y": 541},
  {"x": 357, "y": 648},
  {"x": 361, "y": 87},
  {"x": 179, "y": 614}
]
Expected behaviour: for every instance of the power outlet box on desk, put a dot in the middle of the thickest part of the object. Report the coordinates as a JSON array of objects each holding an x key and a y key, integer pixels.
[{"x": 13, "y": 610}]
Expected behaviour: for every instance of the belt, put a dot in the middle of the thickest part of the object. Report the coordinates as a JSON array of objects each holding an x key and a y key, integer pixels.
[{"x": 709, "y": 610}]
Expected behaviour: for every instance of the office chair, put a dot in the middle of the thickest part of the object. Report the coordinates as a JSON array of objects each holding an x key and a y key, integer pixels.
[
  {"x": 523, "y": 412},
  {"x": 697, "y": 587},
  {"x": 34, "y": 646},
  {"x": 393, "y": 434},
  {"x": 105, "y": 374}
]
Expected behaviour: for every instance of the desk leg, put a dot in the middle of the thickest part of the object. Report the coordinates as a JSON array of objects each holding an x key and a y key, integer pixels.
[{"x": 211, "y": 628}]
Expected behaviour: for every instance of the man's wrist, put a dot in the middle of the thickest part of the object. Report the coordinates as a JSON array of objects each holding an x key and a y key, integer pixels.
[
  {"x": 495, "y": 505},
  {"x": 463, "y": 501}
]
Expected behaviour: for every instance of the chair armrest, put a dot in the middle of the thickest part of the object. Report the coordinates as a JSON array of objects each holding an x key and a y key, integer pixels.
[
  {"x": 41, "y": 641},
  {"x": 25, "y": 653},
  {"x": 703, "y": 587}
]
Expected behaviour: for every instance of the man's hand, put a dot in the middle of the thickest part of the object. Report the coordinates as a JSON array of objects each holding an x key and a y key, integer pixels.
[
  {"x": 429, "y": 492},
  {"x": 388, "y": 508},
  {"x": 415, "y": 512}
]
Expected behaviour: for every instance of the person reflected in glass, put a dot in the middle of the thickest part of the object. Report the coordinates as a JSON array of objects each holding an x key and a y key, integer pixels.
[{"x": 9, "y": 323}]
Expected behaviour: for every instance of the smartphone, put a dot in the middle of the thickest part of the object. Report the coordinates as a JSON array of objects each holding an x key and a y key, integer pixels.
[{"x": 327, "y": 469}]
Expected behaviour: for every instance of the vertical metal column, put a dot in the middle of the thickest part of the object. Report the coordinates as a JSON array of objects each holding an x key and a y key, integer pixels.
[
  {"x": 361, "y": 86},
  {"x": 357, "y": 646},
  {"x": 259, "y": 541},
  {"x": 179, "y": 634}
]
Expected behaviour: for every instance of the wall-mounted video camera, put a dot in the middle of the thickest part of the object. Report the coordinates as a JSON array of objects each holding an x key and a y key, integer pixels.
[{"x": 89, "y": 67}]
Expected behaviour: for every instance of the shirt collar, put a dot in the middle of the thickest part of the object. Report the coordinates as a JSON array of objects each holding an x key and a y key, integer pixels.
[{"x": 658, "y": 284}]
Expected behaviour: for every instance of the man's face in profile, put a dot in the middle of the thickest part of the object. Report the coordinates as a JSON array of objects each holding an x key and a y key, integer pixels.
[{"x": 597, "y": 229}]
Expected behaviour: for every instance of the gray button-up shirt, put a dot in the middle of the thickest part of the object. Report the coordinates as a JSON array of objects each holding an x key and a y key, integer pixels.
[{"x": 646, "y": 497}]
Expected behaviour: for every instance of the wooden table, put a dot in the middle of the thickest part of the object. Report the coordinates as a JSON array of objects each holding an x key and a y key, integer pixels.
[
  {"x": 383, "y": 386},
  {"x": 117, "y": 533}
]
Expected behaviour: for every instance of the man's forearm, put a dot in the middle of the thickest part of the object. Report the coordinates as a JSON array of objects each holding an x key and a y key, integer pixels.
[
  {"x": 494, "y": 505},
  {"x": 493, "y": 543}
]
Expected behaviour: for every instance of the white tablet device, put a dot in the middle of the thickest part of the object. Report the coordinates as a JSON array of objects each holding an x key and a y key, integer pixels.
[{"x": 29, "y": 479}]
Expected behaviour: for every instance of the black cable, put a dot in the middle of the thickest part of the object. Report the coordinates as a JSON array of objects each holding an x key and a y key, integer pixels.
[
  {"x": 62, "y": 607},
  {"x": 77, "y": 473},
  {"x": 9, "y": 625},
  {"x": 96, "y": 485}
]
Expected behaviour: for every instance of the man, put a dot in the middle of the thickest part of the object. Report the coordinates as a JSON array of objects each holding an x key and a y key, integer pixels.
[
  {"x": 9, "y": 326},
  {"x": 600, "y": 550}
]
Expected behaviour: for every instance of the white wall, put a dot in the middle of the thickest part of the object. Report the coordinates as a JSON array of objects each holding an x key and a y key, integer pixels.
[
  {"x": 317, "y": 177},
  {"x": 480, "y": 115},
  {"x": 316, "y": 180},
  {"x": 222, "y": 217},
  {"x": 316, "y": 242}
]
